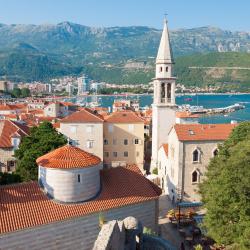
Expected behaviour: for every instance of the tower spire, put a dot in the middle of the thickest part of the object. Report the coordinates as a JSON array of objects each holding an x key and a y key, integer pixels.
[{"x": 164, "y": 54}]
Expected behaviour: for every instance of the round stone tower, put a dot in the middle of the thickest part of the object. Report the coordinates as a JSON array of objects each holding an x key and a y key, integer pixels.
[{"x": 69, "y": 174}]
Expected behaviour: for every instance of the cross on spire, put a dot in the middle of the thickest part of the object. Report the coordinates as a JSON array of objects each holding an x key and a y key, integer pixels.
[{"x": 165, "y": 17}]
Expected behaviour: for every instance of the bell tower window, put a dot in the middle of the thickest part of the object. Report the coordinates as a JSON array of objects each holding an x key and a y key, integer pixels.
[
  {"x": 169, "y": 91},
  {"x": 166, "y": 69},
  {"x": 162, "y": 91},
  {"x": 160, "y": 69}
]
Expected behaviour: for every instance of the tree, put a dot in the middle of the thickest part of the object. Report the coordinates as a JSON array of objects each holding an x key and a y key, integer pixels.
[
  {"x": 226, "y": 191},
  {"x": 25, "y": 92},
  {"x": 16, "y": 92},
  {"x": 41, "y": 140}
]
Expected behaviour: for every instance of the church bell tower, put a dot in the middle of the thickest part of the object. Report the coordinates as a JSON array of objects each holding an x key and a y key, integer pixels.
[{"x": 163, "y": 106}]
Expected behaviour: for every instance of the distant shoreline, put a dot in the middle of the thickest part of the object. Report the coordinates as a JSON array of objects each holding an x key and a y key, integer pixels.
[{"x": 177, "y": 94}]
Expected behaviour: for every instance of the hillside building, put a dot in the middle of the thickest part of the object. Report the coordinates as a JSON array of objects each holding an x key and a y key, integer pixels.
[{"x": 83, "y": 85}]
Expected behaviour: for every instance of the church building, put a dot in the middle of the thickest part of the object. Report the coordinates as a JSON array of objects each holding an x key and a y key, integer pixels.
[{"x": 181, "y": 147}]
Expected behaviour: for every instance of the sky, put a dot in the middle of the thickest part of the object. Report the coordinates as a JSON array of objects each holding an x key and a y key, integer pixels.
[{"x": 225, "y": 14}]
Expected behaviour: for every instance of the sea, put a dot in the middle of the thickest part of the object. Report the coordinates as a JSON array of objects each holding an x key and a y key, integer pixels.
[{"x": 205, "y": 100}]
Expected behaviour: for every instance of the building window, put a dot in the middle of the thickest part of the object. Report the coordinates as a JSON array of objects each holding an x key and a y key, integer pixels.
[
  {"x": 196, "y": 155},
  {"x": 114, "y": 141},
  {"x": 89, "y": 128},
  {"x": 115, "y": 154},
  {"x": 90, "y": 144},
  {"x": 106, "y": 154},
  {"x": 126, "y": 154},
  {"x": 166, "y": 69},
  {"x": 106, "y": 142},
  {"x": 215, "y": 152},
  {"x": 136, "y": 141},
  {"x": 79, "y": 178},
  {"x": 125, "y": 141},
  {"x": 131, "y": 127},
  {"x": 195, "y": 176},
  {"x": 110, "y": 128},
  {"x": 137, "y": 153},
  {"x": 10, "y": 165},
  {"x": 160, "y": 69}
]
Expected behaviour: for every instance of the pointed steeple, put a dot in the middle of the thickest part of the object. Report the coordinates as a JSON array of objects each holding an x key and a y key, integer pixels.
[{"x": 164, "y": 52}]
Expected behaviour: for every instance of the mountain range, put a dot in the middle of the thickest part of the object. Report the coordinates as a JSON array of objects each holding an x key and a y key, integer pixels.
[{"x": 39, "y": 52}]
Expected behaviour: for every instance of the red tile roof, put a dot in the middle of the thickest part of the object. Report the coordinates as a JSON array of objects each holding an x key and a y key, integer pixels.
[
  {"x": 12, "y": 106},
  {"x": 56, "y": 125},
  {"x": 203, "y": 132},
  {"x": 8, "y": 129},
  {"x": 68, "y": 157},
  {"x": 165, "y": 147},
  {"x": 124, "y": 117},
  {"x": 186, "y": 114},
  {"x": 82, "y": 116},
  {"x": 25, "y": 205}
]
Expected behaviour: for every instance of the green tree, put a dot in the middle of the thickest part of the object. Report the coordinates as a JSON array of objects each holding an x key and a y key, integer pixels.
[
  {"x": 226, "y": 191},
  {"x": 41, "y": 140},
  {"x": 16, "y": 92},
  {"x": 25, "y": 92}
]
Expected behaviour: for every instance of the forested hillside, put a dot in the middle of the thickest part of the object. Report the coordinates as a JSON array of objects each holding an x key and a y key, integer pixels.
[{"x": 122, "y": 54}]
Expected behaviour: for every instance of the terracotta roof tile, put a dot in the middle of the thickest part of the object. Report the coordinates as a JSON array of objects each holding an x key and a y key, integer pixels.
[
  {"x": 186, "y": 114},
  {"x": 165, "y": 147},
  {"x": 25, "y": 205},
  {"x": 203, "y": 132},
  {"x": 82, "y": 116},
  {"x": 124, "y": 117},
  {"x": 56, "y": 125},
  {"x": 8, "y": 129},
  {"x": 68, "y": 157},
  {"x": 12, "y": 106}
]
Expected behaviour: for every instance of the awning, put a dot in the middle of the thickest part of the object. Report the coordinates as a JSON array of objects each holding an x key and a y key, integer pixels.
[{"x": 189, "y": 204}]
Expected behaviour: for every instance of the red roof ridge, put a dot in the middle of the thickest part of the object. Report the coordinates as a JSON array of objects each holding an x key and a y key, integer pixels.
[
  {"x": 118, "y": 117},
  {"x": 74, "y": 116},
  {"x": 94, "y": 114},
  {"x": 18, "y": 127}
]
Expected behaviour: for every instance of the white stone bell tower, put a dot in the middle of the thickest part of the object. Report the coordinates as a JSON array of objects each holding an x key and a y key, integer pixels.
[{"x": 164, "y": 96}]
